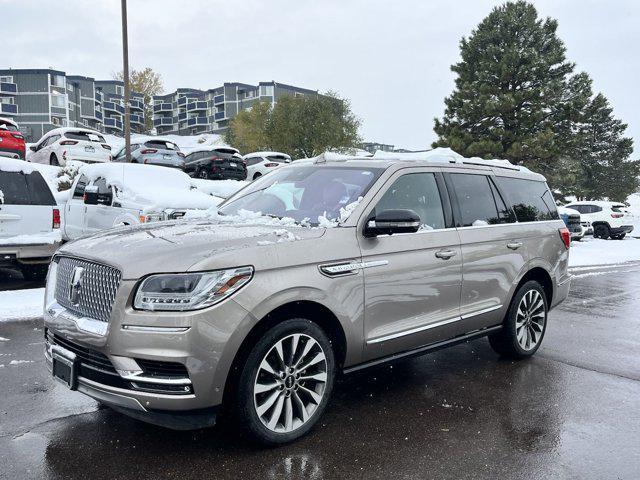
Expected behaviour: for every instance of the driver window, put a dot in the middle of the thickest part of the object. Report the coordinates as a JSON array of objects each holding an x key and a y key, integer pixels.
[
  {"x": 417, "y": 192},
  {"x": 104, "y": 191}
]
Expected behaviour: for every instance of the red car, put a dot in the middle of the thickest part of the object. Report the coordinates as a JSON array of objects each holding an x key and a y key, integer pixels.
[{"x": 11, "y": 140}]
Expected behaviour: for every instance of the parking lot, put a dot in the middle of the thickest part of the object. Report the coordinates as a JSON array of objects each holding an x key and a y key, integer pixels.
[{"x": 570, "y": 412}]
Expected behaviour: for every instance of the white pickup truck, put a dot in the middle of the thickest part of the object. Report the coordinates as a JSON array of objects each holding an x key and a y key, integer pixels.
[
  {"x": 110, "y": 195},
  {"x": 29, "y": 219}
]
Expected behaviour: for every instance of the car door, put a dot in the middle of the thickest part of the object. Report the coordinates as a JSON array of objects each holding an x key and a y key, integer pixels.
[
  {"x": 103, "y": 215},
  {"x": 412, "y": 280},
  {"x": 494, "y": 247},
  {"x": 75, "y": 210}
]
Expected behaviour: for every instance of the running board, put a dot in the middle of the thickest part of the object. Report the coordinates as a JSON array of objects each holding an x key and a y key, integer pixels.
[{"x": 432, "y": 347}]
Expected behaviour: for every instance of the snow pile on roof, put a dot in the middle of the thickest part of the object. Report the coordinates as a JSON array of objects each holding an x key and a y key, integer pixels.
[
  {"x": 219, "y": 188},
  {"x": 8, "y": 121},
  {"x": 187, "y": 143},
  {"x": 48, "y": 238},
  {"x": 13, "y": 165},
  {"x": 21, "y": 304},
  {"x": 265, "y": 154},
  {"x": 153, "y": 188},
  {"x": 567, "y": 211}
]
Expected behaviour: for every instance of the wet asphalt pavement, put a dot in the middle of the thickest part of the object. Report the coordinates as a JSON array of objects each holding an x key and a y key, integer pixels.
[{"x": 572, "y": 411}]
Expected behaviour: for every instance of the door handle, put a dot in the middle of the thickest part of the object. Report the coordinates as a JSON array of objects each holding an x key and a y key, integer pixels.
[
  {"x": 445, "y": 254},
  {"x": 514, "y": 245}
]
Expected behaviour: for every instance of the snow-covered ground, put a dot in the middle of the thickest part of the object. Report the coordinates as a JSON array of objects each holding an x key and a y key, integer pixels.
[
  {"x": 594, "y": 251},
  {"x": 21, "y": 304}
]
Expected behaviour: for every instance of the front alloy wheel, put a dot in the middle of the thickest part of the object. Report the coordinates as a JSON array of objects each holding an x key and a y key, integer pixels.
[{"x": 286, "y": 382}]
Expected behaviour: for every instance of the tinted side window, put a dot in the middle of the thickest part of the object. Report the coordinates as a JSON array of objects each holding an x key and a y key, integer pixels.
[
  {"x": 417, "y": 192},
  {"x": 39, "y": 190},
  {"x": 13, "y": 186},
  {"x": 253, "y": 160},
  {"x": 80, "y": 186},
  {"x": 531, "y": 200},
  {"x": 476, "y": 200},
  {"x": 595, "y": 209},
  {"x": 505, "y": 214}
]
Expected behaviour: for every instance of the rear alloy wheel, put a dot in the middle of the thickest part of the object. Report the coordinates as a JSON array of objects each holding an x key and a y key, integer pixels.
[
  {"x": 286, "y": 382},
  {"x": 601, "y": 231},
  {"x": 53, "y": 160},
  {"x": 524, "y": 325}
]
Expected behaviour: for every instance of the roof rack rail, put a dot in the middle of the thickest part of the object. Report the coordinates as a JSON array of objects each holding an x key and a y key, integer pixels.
[{"x": 489, "y": 163}]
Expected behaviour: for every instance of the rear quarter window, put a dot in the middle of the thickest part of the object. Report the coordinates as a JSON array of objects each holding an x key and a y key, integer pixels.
[
  {"x": 24, "y": 189},
  {"x": 531, "y": 200}
]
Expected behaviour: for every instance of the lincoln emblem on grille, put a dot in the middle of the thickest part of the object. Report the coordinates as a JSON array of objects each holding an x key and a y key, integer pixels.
[{"x": 75, "y": 289}]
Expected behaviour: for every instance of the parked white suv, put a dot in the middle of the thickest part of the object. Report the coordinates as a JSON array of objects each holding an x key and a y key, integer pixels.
[
  {"x": 116, "y": 194},
  {"x": 29, "y": 219},
  {"x": 261, "y": 163},
  {"x": 607, "y": 219},
  {"x": 60, "y": 145}
]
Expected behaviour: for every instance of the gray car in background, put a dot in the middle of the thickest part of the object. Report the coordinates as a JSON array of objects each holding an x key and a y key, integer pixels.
[
  {"x": 351, "y": 263},
  {"x": 157, "y": 151}
]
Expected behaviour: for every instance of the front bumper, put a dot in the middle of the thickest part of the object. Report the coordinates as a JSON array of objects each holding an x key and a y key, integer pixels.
[{"x": 202, "y": 342}]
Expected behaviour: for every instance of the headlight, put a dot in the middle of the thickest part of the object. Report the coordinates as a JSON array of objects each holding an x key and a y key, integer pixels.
[
  {"x": 190, "y": 291},
  {"x": 52, "y": 276}
]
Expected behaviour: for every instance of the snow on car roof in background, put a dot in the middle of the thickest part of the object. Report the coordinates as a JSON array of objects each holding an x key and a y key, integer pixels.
[
  {"x": 12, "y": 165},
  {"x": 211, "y": 148},
  {"x": 599, "y": 203},
  {"x": 63, "y": 130},
  {"x": 567, "y": 211},
  {"x": 265, "y": 154},
  {"x": 9, "y": 121},
  {"x": 151, "y": 186}
]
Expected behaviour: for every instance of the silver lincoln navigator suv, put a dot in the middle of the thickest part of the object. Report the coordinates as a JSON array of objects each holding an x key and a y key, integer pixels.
[{"x": 323, "y": 266}]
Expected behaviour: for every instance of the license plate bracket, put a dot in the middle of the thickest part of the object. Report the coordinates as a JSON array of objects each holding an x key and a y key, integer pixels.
[{"x": 64, "y": 368}]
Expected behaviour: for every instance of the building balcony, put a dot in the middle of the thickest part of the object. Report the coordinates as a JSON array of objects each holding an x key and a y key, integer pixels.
[
  {"x": 218, "y": 99},
  {"x": 136, "y": 119},
  {"x": 158, "y": 122},
  {"x": 162, "y": 107},
  {"x": 8, "y": 108},
  {"x": 219, "y": 116},
  {"x": 98, "y": 115},
  {"x": 6, "y": 87},
  {"x": 136, "y": 105},
  {"x": 113, "y": 123},
  {"x": 195, "y": 121},
  {"x": 113, "y": 107},
  {"x": 182, "y": 116},
  {"x": 196, "y": 106}
]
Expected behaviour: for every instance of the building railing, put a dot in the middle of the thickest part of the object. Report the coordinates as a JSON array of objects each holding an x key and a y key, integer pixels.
[
  {"x": 218, "y": 99},
  {"x": 113, "y": 123},
  {"x": 192, "y": 122},
  {"x": 182, "y": 116},
  {"x": 162, "y": 121},
  {"x": 139, "y": 119},
  {"x": 6, "y": 87},
  {"x": 195, "y": 106},
  {"x": 219, "y": 115},
  {"x": 136, "y": 104},
  {"x": 162, "y": 107},
  {"x": 114, "y": 107}
]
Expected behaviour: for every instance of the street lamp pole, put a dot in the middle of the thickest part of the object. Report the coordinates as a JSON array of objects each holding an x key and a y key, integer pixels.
[{"x": 125, "y": 77}]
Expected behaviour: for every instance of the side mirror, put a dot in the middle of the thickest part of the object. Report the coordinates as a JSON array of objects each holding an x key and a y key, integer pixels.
[
  {"x": 389, "y": 222},
  {"x": 33, "y": 148},
  {"x": 91, "y": 195}
]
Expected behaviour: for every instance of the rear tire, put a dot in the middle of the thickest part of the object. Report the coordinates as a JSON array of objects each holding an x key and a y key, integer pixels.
[
  {"x": 524, "y": 325},
  {"x": 53, "y": 160},
  {"x": 618, "y": 237},
  {"x": 286, "y": 382},
  {"x": 35, "y": 272},
  {"x": 601, "y": 231}
]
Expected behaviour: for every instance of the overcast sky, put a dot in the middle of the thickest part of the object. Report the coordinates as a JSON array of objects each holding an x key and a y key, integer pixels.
[{"x": 390, "y": 58}]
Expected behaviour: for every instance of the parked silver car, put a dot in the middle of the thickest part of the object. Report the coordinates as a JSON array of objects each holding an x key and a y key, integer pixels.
[
  {"x": 353, "y": 263},
  {"x": 157, "y": 151}
]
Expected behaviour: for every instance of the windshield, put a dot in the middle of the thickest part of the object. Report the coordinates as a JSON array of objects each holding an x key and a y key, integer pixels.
[
  {"x": 304, "y": 193},
  {"x": 162, "y": 144}
]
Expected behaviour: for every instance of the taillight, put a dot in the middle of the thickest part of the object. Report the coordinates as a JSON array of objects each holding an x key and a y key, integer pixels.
[
  {"x": 617, "y": 215},
  {"x": 55, "y": 218},
  {"x": 68, "y": 142},
  {"x": 271, "y": 164},
  {"x": 180, "y": 154},
  {"x": 566, "y": 236},
  {"x": 105, "y": 146},
  {"x": 148, "y": 150},
  {"x": 64, "y": 155}
]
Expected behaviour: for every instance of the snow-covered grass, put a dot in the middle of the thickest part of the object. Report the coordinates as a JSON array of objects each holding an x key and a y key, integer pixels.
[
  {"x": 21, "y": 304},
  {"x": 594, "y": 251}
]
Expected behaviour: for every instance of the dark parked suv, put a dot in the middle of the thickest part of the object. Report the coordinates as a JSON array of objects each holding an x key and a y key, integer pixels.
[
  {"x": 320, "y": 267},
  {"x": 221, "y": 163}
]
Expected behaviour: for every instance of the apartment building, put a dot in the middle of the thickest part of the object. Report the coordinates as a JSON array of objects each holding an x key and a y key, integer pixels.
[
  {"x": 43, "y": 99},
  {"x": 189, "y": 111}
]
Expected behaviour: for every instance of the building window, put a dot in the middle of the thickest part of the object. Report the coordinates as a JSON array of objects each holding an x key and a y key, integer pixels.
[
  {"x": 6, "y": 79},
  {"x": 266, "y": 90},
  {"x": 70, "y": 87},
  {"x": 119, "y": 89},
  {"x": 71, "y": 107},
  {"x": 58, "y": 81},
  {"x": 55, "y": 120},
  {"x": 6, "y": 100},
  {"x": 58, "y": 101}
]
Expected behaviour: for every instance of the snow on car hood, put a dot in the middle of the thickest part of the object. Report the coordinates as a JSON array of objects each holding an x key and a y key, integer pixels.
[{"x": 179, "y": 245}]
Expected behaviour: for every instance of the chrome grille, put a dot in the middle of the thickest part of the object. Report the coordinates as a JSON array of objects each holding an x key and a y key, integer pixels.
[{"x": 99, "y": 287}]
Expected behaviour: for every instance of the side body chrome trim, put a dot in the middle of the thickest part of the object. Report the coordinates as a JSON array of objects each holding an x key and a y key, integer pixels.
[
  {"x": 143, "y": 328},
  {"x": 349, "y": 268},
  {"x": 432, "y": 325}
]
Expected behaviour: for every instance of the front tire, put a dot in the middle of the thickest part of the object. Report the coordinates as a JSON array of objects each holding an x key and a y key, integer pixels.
[
  {"x": 286, "y": 382},
  {"x": 35, "y": 272},
  {"x": 524, "y": 325}
]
